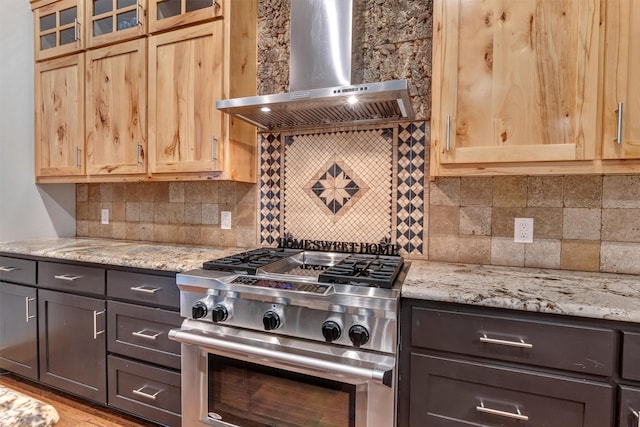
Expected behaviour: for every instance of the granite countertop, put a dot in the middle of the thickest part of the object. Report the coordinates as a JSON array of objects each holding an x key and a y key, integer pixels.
[
  {"x": 594, "y": 295},
  {"x": 148, "y": 255}
]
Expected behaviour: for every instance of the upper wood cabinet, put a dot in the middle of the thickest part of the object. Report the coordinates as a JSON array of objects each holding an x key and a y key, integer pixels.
[
  {"x": 59, "y": 117},
  {"x": 185, "y": 80},
  {"x": 514, "y": 83},
  {"x": 621, "y": 126},
  {"x": 58, "y": 28},
  {"x": 133, "y": 84},
  {"x": 169, "y": 14},
  {"x": 113, "y": 21},
  {"x": 116, "y": 109}
]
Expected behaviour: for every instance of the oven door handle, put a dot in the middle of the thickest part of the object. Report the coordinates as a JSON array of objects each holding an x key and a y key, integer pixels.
[{"x": 380, "y": 374}]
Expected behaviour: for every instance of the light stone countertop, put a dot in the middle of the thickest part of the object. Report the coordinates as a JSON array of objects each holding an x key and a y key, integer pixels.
[
  {"x": 148, "y": 255},
  {"x": 594, "y": 295}
]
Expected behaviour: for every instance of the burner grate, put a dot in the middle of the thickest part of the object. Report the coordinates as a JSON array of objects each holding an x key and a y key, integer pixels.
[
  {"x": 372, "y": 270},
  {"x": 250, "y": 261}
]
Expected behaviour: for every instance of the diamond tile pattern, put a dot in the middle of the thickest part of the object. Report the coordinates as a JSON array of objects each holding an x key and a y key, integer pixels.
[
  {"x": 412, "y": 157},
  {"x": 362, "y": 186}
]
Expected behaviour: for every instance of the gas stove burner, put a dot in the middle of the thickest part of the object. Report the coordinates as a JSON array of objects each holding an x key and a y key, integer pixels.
[
  {"x": 357, "y": 269},
  {"x": 250, "y": 261}
]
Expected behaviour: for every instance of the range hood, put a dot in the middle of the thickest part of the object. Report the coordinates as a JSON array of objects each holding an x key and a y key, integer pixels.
[{"x": 322, "y": 70}]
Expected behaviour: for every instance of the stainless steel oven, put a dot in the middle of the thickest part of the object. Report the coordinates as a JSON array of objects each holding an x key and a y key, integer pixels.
[{"x": 271, "y": 348}]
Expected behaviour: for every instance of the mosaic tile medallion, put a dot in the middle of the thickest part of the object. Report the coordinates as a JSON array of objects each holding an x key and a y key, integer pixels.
[{"x": 338, "y": 186}]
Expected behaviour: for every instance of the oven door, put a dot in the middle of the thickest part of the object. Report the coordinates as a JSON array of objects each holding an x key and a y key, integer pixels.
[{"x": 241, "y": 378}]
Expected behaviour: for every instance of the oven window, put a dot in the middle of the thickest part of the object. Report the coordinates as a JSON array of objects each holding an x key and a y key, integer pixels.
[{"x": 251, "y": 395}]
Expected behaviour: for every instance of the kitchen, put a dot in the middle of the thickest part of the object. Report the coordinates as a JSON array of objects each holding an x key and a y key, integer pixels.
[{"x": 584, "y": 223}]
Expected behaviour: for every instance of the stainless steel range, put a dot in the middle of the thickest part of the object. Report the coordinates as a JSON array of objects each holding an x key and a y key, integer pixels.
[{"x": 287, "y": 337}]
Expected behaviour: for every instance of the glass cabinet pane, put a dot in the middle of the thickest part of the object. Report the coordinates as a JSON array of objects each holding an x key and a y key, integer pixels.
[
  {"x": 127, "y": 20},
  {"x": 102, "y": 26},
  {"x": 68, "y": 36},
  {"x": 67, "y": 16},
  {"x": 102, "y": 6},
  {"x": 48, "y": 22},
  {"x": 125, "y": 3},
  {"x": 168, "y": 8},
  {"x": 48, "y": 41},
  {"x": 198, "y": 4}
]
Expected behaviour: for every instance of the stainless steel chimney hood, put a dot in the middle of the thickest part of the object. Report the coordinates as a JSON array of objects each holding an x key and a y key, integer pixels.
[{"x": 322, "y": 68}]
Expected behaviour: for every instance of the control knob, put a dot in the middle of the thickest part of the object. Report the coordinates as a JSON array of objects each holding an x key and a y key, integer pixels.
[
  {"x": 271, "y": 320},
  {"x": 359, "y": 335},
  {"x": 331, "y": 331},
  {"x": 219, "y": 313},
  {"x": 199, "y": 310}
]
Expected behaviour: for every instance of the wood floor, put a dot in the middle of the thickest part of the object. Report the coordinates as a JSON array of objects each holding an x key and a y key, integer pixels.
[{"x": 73, "y": 412}]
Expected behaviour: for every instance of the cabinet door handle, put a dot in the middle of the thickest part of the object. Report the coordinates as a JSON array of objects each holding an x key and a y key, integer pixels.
[
  {"x": 637, "y": 415},
  {"x": 78, "y": 164},
  {"x": 138, "y": 161},
  {"x": 448, "y": 146},
  {"x": 214, "y": 141},
  {"x": 27, "y": 300},
  {"x": 139, "y": 392},
  {"x": 7, "y": 269},
  {"x": 620, "y": 110},
  {"x": 516, "y": 416},
  {"x": 76, "y": 32},
  {"x": 145, "y": 289},
  {"x": 67, "y": 277},
  {"x": 146, "y": 334},
  {"x": 138, "y": 13},
  {"x": 520, "y": 343},
  {"x": 95, "y": 323}
]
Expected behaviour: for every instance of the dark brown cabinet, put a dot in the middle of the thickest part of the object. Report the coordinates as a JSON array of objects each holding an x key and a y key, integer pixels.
[
  {"x": 465, "y": 365},
  {"x": 143, "y": 363},
  {"x": 73, "y": 344},
  {"x": 18, "y": 317}
]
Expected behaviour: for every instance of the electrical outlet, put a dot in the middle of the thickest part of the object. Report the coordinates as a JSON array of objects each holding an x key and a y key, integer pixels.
[
  {"x": 104, "y": 216},
  {"x": 523, "y": 230},
  {"x": 225, "y": 220}
]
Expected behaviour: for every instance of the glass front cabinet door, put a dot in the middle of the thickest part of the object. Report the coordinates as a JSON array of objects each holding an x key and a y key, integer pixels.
[
  {"x": 115, "y": 20},
  {"x": 169, "y": 14},
  {"x": 58, "y": 29}
]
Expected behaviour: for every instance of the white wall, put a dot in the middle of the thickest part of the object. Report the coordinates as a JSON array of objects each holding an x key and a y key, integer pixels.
[{"x": 27, "y": 210}]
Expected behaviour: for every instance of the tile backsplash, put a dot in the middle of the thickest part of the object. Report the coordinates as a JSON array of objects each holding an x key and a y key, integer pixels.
[{"x": 169, "y": 212}]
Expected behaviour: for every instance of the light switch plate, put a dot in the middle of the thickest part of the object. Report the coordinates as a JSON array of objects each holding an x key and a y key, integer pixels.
[{"x": 225, "y": 220}]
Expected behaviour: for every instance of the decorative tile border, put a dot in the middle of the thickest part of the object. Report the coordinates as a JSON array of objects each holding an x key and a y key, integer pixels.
[
  {"x": 270, "y": 188},
  {"x": 411, "y": 188}
]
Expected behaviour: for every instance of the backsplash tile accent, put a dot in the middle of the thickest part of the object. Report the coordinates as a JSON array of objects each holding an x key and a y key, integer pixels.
[
  {"x": 270, "y": 188},
  {"x": 361, "y": 185},
  {"x": 412, "y": 156}
]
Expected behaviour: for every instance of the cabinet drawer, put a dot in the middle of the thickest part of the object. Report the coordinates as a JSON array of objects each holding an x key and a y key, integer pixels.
[
  {"x": 628, "y": 411},
  {"x": 144, "y": 288},
  {"x": 67, "y": 277},
  {"x": 144, "y": 390},
  {"x": 631, "y": 355},
  {"x": 142, "y": 332},
  {"x": 17, "y": 270},
  {"x": 552, "y": 345},
  {"x": 449, "y": 392}
]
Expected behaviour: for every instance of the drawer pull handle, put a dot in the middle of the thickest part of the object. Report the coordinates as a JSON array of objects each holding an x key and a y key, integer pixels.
[
  {"x": 145, "y": 289},
  {"x": 515, "y": 416},
  {"x": 7, "y": 269},
  {"x": 141, "y": 393},
  {"x": 520, "y": 343},
  {"x": 27, "y": 300},
  {"x": 637, "y": 415},
  {"x": 67, "y": 277},
  {"x": 146, "y": 334}
]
